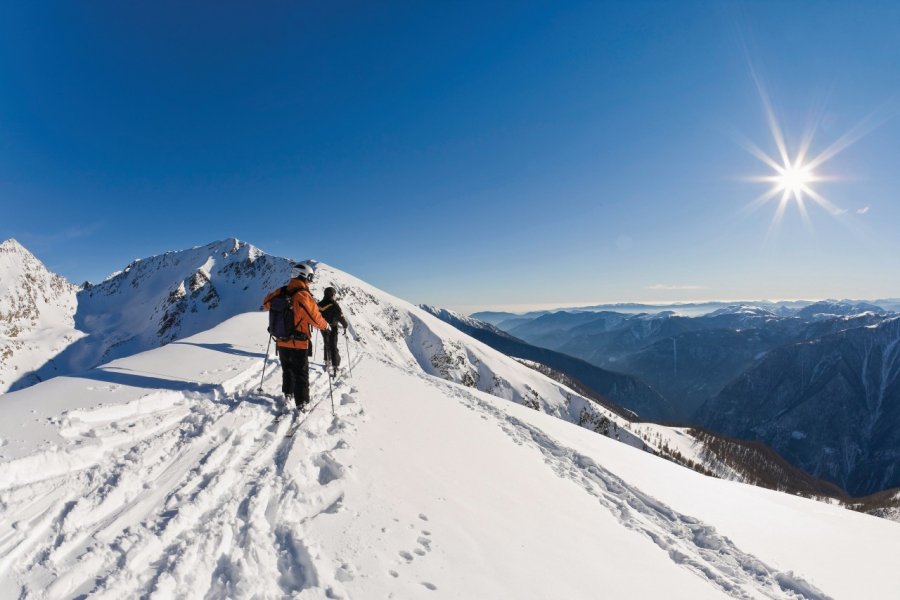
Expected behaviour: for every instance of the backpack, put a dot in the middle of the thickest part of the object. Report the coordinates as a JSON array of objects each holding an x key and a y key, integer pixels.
[
  {"x": 326, "y": 310},
  {"x": 281, "y": 318}
]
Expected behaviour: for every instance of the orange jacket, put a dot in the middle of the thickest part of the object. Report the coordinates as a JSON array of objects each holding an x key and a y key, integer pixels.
[{"x": 306, "y": 312}]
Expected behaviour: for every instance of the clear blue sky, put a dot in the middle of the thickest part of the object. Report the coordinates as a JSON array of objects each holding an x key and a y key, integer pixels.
[{"x": 466, "y": 154}]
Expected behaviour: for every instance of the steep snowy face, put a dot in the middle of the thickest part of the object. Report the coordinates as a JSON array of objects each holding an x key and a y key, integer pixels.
[
  {"x": 36, "y": 315},
  {"x": 408, "y": 336}
]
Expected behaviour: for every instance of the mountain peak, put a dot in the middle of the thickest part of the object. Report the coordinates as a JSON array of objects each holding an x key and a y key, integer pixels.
[
  {"x": 36, "y": 310},
  {"x": 13, "y": 245}
]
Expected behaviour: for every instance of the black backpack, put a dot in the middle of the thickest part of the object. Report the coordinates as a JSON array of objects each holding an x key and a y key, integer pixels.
[{"x": 281, "y": 318}]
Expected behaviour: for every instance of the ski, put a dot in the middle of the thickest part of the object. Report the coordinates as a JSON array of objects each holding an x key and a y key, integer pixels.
[
  {"x": 293, "y": 428},
  {"x": 300, "y": 418}
]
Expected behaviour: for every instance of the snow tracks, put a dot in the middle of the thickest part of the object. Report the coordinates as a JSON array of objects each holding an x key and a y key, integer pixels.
[
  {"x": 687, "y": 540},
  {"x": 179, "y": 494}
]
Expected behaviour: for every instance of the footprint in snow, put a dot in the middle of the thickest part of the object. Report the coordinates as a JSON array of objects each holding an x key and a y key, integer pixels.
[
  {"x": 430, "y": 586},
  {"x": 344, "y": 573},
  {"x": 406, "y": 555}
]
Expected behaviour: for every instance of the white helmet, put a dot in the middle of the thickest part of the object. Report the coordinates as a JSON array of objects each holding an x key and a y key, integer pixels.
[{"x": 302, "y": 271}]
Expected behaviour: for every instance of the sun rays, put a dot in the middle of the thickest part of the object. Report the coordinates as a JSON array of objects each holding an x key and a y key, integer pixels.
[{"x": 795, "y": 174}]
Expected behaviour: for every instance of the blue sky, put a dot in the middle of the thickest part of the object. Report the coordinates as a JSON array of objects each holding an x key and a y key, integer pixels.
[{"x": 461, "y": 154}]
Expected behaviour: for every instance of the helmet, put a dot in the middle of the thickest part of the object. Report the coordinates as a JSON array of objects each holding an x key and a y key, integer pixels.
[
  {"x": 330, "y": 292},
  {"x": 302, "y": 271}
]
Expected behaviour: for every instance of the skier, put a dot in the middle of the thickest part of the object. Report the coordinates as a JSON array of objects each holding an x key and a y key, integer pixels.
[
  {"x": 292, "y": 350},
  {"x": 333, "y": 313}
]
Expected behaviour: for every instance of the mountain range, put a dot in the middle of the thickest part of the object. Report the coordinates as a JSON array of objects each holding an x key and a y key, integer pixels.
[{"x": 758, "y": 373}]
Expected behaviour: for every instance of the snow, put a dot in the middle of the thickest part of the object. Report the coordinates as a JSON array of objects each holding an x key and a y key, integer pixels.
[{"x": 447, "y": 471}]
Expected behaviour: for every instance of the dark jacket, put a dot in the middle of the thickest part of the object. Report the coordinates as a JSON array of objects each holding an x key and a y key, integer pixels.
[{"x": 332, "y": 311}]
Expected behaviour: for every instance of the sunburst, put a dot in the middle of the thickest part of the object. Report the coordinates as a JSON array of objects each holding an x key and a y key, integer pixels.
[{"x": 794, "y": 176}]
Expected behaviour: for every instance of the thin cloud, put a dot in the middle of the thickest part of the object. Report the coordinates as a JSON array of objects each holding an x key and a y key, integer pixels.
[
  {"x": 74, "y": 232},
  {"x": 863, "y": 210},
  {"x": 668, "y": 288}
]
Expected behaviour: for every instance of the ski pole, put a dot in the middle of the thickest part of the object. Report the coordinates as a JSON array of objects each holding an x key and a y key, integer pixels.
[
  {"x": 265, "y": 360},
  {"x": 330, "y": 389},
  {"x": 349, "y": 363}
]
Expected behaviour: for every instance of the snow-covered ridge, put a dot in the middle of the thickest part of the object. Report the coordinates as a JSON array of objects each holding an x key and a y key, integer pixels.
[
  {"x": 156, "y": 300},
  {"x": 743, "y": 310},
  {"x": 441, "y": 313},
  {"x": 160, "y": 299},
  {"x": 412, "y": 337}
]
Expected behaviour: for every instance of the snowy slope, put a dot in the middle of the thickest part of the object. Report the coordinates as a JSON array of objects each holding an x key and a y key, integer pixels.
[
  {"x": 165, "y": 474},
  {"x": 36, "y": 315}
]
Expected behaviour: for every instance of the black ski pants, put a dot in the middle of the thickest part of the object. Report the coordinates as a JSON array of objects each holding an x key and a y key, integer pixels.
[
  {"x": 330, "y": 339},
  {"x": 295, "y": 374}
]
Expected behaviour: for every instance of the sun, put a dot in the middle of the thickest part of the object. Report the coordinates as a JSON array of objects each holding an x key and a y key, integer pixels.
[
  {"x": 794, "y": 180},
  {"x": 794, "y": 176}
]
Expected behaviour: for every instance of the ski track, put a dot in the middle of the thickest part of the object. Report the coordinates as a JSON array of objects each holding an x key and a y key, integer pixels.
[
  {"x": 687, "y": 540},
  {"x": 180, "y": 494}
]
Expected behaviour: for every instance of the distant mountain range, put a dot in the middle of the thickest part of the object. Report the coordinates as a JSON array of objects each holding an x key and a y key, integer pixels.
[
  {"x": 686, "y": 309},
  {"x": 819, "y": 382}
]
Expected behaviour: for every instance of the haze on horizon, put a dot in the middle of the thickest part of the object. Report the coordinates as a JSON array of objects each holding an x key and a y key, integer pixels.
[{"x": 468, "y": 156}]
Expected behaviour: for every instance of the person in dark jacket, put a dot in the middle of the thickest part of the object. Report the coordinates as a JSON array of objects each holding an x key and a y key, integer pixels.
[
  {"x": 334, "y": 315},
  {"x": 293, "y": 353}
]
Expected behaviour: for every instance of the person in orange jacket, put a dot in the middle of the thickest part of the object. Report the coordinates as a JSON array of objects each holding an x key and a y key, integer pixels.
[{"x": 294, "y": 352}]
